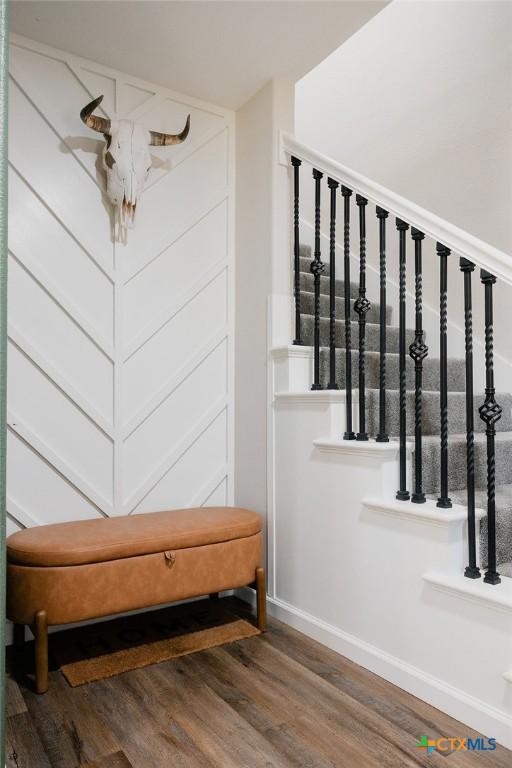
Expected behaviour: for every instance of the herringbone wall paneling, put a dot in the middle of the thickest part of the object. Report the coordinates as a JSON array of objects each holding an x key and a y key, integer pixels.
[{"x": 120, "y": 354}]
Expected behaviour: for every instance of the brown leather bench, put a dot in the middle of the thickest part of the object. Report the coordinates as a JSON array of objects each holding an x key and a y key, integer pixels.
[{"x": 70, "y": 572}]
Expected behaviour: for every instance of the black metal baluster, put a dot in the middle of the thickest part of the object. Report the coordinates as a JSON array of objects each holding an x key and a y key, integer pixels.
[
  {"x": 402, "y": 493},
  {"x": 382, "y": 437},
  {"x": 296, "y": 163},
  {"x": 317, "y": 268},
  {"x": 418, "y": 350},
  {"x": 490, "y": 412},
  {"x": 349, "y": 433},
  {"x": 333, "y": 186},
  {"x": 472, "y": 571},
  {"x": 443, "y": 252},
  {"x": 361, "y": 306}
]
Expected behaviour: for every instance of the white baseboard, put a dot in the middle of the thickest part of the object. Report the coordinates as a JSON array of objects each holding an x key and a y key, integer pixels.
[{"x": 458, "y": 704}]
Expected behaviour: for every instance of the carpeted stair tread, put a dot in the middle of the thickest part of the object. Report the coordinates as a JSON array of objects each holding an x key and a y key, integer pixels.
[
  {"x": 457, "y": 461},
  {"x": 503, "y": 520},
  {"x": 431, "y": 418},
  {"x": 305, "y": 266},
  {"x": 372, "y": 334},
  {"x": 307, "y": 283},
  {"x": 307, "y": 306},
  {"x": 430, "y": 412},
  {"x": 456, "y": 370}
]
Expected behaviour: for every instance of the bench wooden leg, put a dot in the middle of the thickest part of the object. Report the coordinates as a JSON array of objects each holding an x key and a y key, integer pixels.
[
  {"x": 261, "y": 599},
  {"x": 41, "y": 651}
]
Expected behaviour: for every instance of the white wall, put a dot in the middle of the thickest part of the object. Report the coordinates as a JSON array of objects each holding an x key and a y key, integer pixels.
[
  {"x": 120, "y": 355},
  {"x": 420, "y": 99},
  {"x": 263, "y": 269},
  {"x": 355, "y": 570}
]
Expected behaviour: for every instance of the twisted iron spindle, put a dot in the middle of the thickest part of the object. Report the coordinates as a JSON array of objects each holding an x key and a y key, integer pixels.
[
  {"x": 443, "y": 252},
  {"x": 490, "y": 412},
  {"x": 333, "y": 186},
  {"x": 382, "y": 437},
  {"x": 402, "y": 493},
  {"x": 349, "y": 433},
  {"x": 317, "y": 268},
  {"x": 472, "y": 571},
  {"x": 296, "y": 163},
  {"x": 418, "y": 350},
  {"x": 361, "y": 306}
]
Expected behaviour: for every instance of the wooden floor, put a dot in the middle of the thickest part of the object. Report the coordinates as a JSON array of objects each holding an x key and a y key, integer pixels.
[{"x": 274, "y": 700}]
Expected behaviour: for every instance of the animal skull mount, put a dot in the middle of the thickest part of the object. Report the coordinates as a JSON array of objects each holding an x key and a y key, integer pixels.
[{"x": 126, "y": 157}]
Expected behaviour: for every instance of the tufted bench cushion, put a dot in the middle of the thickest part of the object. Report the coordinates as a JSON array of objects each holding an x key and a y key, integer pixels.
[{"x": 86, "y": 569}]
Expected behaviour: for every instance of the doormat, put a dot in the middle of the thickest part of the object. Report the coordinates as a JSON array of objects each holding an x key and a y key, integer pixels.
[{"x": 98, "y": 651}]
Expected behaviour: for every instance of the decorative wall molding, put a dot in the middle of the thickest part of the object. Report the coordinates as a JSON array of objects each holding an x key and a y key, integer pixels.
[
  {"x": 173, "y": 456},
  {"x": 106, "y": 336},
  {"x": 57, "y": 462},
  {"x": 56, "y": 377}
]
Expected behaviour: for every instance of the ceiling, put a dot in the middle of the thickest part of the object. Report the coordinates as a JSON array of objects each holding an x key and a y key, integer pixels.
[{"x": 221, "y": 52}]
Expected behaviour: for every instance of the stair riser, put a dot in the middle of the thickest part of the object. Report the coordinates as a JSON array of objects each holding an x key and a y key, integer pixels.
[
  {"x": 305, "y": 266},
  {"x": 430, "y": 413},
  {"x": 372, "y": 334},
  {"x": 457, "y": 464},
  {"x": 307, "y": 283},
  {"x": 503, "y": 539},
  {"x": 456, "y": 372},
  {"x": 307, "y": 306}
]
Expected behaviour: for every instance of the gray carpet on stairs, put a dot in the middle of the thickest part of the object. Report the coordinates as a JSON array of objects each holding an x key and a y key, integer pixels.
[
  {"x": 503, "y": 524},
  {"x": 431, "y": 420}
]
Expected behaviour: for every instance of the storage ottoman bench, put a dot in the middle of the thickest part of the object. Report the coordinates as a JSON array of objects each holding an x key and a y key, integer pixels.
[{"x": 70, "y": 572}]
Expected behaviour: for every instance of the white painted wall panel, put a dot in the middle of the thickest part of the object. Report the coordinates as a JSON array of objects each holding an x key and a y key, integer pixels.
[
  {"x": 48, "y": 495},
  {"x": 195, "y": 475},
  {"x": 176, "y": 348},
  {"x": 57, "y": 260},
  {"x": 176, "y": 202},
  {"x": 176, "y": 272},
  {"x": 178, "y": 417},
  {"x": 120, "y": 354},
  {"x": 35, "y": 403},
  {"x": 58, "y": 178},
  {"x": 39, "y": 319},
  {"x": 58, "y": 95},
  {"x": 219, "y": 496}
]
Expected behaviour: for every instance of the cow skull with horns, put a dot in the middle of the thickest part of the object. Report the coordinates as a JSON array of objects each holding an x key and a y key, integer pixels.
[{"x": 126, "y": 157}]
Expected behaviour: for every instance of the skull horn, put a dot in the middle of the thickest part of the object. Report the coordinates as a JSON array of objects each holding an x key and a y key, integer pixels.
[
  {"x": 100, "y": 124},
  {"x": 167, "y": 139}
]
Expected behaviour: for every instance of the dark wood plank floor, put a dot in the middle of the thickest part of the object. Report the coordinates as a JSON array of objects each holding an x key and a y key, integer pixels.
[{"x": 278, "y": 700}]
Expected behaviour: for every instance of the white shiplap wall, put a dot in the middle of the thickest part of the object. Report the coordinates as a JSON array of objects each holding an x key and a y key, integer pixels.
[{"x": 120, "y": 354}]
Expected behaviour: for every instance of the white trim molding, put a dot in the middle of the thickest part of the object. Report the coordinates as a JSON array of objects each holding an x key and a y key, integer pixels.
[
  {"x": 427, "y": 512},
  {"x": 368, "y": 449},
  {"x": 497, "y": 596},
  {"x": 312, "y": 397}
]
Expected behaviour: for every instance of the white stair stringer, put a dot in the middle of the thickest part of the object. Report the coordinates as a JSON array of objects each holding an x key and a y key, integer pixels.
[{"x": 350, "y": 564}]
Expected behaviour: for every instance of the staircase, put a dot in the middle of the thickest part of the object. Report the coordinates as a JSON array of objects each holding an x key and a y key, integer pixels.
[
  {"x": 431, "y": 405},
  {"x": 395, "y": 552}
]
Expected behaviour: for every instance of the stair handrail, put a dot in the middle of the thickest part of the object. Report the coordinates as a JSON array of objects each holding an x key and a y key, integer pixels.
[{"x": 479, "y": 252}]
